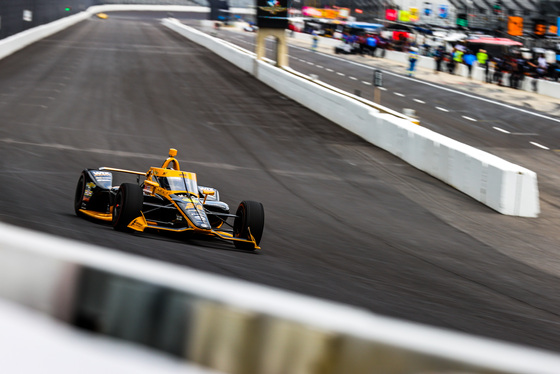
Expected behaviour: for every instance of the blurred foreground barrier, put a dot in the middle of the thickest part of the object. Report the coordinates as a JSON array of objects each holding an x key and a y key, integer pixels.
[
  {"x": 230, "y": 325},
  {"x": 32, "y": 342},
  {"x": 505, "y": 187}
]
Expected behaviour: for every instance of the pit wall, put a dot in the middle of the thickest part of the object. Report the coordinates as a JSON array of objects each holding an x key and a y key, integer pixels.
[
  {"x": 225, "y": 324},
  {"x": 505, "y": 187}
]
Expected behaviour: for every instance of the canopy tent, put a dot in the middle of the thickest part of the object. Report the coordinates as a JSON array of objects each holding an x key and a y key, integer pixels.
[
  {"x": 493, "y": 46},
  {"x": 495, "y": 41},
  {"x": 455, "y": 37}
]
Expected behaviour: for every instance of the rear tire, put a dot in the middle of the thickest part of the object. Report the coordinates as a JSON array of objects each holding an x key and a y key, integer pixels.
[
  {"x": 249, "y": 218},
  {"x": 128, "y": 206}
]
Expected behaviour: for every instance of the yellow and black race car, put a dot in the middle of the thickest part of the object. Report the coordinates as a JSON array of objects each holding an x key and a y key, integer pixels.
[{"x": 166, "y": 199}]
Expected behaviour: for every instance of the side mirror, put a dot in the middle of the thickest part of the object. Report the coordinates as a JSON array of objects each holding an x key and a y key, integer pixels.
[
  {"x": 150, "y": 185},
  {"x": 207, "y": 193}
]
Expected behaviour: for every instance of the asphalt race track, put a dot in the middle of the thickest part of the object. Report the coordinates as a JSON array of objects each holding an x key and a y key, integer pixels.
[{"x": 345, "y": 221}]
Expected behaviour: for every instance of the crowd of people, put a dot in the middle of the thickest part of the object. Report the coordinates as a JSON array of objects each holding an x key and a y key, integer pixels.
[
  {"x": 496, "y": 68},
  {"x": 512, "y": 65}
]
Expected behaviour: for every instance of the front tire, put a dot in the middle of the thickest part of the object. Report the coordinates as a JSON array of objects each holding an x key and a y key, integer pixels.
[
  {"x": 128, "y": 205},
  {"x": 249, "y": 219},
  {"x": 79, "y": 196}
]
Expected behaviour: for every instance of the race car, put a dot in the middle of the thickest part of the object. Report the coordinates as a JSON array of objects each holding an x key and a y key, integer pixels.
[{"x": 166, "y": 199}]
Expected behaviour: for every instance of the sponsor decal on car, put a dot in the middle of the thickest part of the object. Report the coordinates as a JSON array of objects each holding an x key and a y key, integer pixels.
[
  {"x": 88, "y": 191},
  {"x": 101, "y": 173}
]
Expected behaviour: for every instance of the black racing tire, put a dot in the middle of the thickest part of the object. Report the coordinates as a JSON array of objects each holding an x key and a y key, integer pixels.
[
  {"x": 79, "y": 195},
  {"x": 128, "y": 206},
  {"x": 249, "y": 216}
]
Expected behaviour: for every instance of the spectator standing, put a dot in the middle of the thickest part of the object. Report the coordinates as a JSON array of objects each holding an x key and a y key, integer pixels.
[
  {"x": 482, "y": 59},
  {"x": 438, "y": 58},
  {"x": 371, "y": 43},
  {"x": 516, "y": 72},
  {"x": 457, "y": 59},
  {"x": 542, "y": 66},
  {"x": 315, "y": 41},
  {"x": 469, "y": 59},
  {"x": 362, "y": 47},
  {"x": 382, "y": 44},
  {"x": 499, "y": 67},
  {"x": 554, "y": 68},
  {"x": 451, "y": 61},
  {"x": 412, "y": 59}
]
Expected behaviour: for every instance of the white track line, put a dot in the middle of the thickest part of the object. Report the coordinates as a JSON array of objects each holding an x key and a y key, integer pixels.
[
  {"x": 501, "y": 130},
  {"x": 539, "y": 145}
]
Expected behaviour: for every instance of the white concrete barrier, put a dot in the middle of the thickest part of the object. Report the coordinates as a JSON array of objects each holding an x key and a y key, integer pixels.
[
  {"x": 230, "y": 325},
  {"x": 505, "y": 187},
  {"x": 14, "y": 43},
  {"x": 240, "y": 57}
]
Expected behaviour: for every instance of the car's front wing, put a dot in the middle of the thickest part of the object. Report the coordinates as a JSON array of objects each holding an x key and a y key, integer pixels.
[{"x": 140, "y": 224}]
